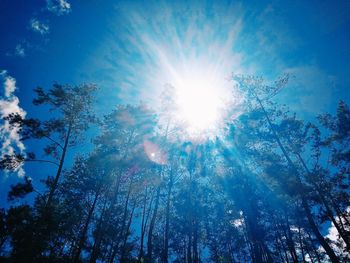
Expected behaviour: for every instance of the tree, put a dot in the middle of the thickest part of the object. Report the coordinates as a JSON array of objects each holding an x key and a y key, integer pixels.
[
  {"x": 255, "y": 90},
  {"x": 261, "y": 191},
  {"x": 71, "y": 111}
]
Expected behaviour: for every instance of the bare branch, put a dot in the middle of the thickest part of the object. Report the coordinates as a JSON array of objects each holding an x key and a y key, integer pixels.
[
  {"x": 57, "y": 143},
  {"x": 41, "y": 161}
]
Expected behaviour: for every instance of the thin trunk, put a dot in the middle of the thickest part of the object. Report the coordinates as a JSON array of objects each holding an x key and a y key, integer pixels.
[
  {"x": 189, "y": 245},
  {"x": 167, "y": 219},
  {"x": 142, "y": 225},
  {"x": 98, "y": 237},
  {"x": 127, "y": 233},
  {"x": 114, "y": 251},
  {"x": 260, "y": 251},
  {"x": 340, "y": 214},
  {"x": 307, "y": 250},
  {"x": 107, "y": 211},
  {"x": 313, "y": 248},
  {"x": 195, "y": 241},
  {"x": 317, "y": 233},
  {"x": 151, "y": 227},
  {"x": 301, "y": 245},
  {"x": 257, "y": 256},
  {"x": 120, "y": 235},
  {"x": 284, "y": 251},
  {"x": 329, "y": 211},
  {"x": 60, "y": 167},
  {"x": 266, "y": 252},
  {"x": 289, "y": 238},
  {"x": 321, "y": 239},
  {"x": 247, "y": 239},
  {"x": 279, "y": 240},
  {"x": 85, "y": 229},
  {"x": 143, "y": 229},
  {"x": 340, "y": 229}
]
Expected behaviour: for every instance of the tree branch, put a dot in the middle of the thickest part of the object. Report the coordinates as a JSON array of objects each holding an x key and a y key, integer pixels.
[
  {"x": 41, "y": 161},
  {"x": 40, "y": 194},
  {"x": 49, "y": 138}
]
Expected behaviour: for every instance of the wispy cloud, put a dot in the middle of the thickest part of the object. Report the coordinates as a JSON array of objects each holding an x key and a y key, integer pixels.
[
  {"x": 9, "y": 85},
  {"x": 39, "y": 27},
  {"x": 59, "y": 7},
  {"x": 19, "y": 51},
  {"x": 310, "y": 91},
  {"x": 9, "y": 134},
  {"x": 36, "y": 24}
]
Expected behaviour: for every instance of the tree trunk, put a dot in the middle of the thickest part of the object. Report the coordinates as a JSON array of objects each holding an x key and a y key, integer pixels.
[
  {"x": 142, "y": 225},
  {"x": 301, "y": 245},
  {"x": 60, "y": 167},
  {"x": 340, "y": 214},
  {"x": 120, "y": 235},
  {"x": 85, "y": 229},
  {"x": 306, "y": 207},
  {"x": 145, "y": 218},
  {"x": 195, "y": 241},
  {"x": 151, "y": 227},
  {"x": 317, "y": 233},
  {"x": 189, "y": 245},
  {"x": 278, "y": 240},
  {"x": 126, "y": 234},
  {"x": 98, "y": 237},
  {"x": 313, "y": 248},
  {"x": 256, "y": 251},
  {"x": 167, "y": 219},
  {"x": 289, "y": 238},
  {"x": 105, "y": 215},
  {"x": 329, "y": 211}
]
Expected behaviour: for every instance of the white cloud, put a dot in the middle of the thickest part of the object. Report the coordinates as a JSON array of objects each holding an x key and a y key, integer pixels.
[
  {"x": 338, "y": 244},
  {"x": 59, "y": 7},
  {"x": 10, "y": 86},
  {"x": 39, "y": 27},
  {"x": 9, "y": 134},
  {"x": 19, "y": 51}
]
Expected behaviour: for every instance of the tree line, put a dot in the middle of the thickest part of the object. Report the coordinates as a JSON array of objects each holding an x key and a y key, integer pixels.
[{"x": 266, "y": 189}]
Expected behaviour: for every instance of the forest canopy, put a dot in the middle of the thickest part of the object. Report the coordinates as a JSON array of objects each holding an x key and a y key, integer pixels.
[{"x": 265, "y": 188}]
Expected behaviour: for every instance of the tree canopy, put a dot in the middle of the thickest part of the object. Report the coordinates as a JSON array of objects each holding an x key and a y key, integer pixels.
[{"x": 267, "y": 188}]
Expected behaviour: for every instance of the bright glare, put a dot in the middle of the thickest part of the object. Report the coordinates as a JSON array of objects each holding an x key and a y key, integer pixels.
[
  {"x": 198, "y": 101},
  {"x": 196, "y": 56},
  {"x": 202, "y": 95}
]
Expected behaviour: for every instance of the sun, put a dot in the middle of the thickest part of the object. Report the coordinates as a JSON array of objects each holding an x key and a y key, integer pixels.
[
  {"x": 201, "y": 98},
  {"x": 198, "y": 97},
  {"x": 198, "y": 103}
]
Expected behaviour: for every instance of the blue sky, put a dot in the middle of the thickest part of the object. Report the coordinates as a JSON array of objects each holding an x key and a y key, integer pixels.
[
  {"x": 113, "y": 44},
  {"x": 131, "y": 49}
]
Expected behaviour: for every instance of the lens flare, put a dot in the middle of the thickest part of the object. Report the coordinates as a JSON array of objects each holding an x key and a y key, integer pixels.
[{"x": 154, "y": 153}]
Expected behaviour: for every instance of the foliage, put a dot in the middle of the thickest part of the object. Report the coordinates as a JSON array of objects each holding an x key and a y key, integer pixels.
[{"x": 263, "y": 191}]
